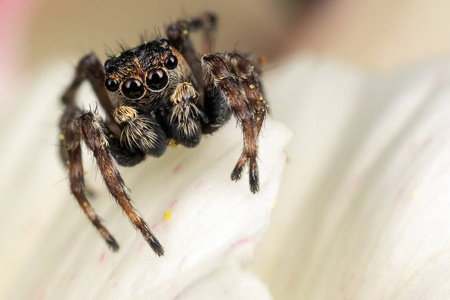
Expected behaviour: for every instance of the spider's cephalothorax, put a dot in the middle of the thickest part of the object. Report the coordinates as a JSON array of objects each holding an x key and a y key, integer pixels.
[{"x": 159, "y": 91}]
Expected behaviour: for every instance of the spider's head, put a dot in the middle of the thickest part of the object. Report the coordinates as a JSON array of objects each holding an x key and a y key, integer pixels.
[{"x": 144, "y": 72}]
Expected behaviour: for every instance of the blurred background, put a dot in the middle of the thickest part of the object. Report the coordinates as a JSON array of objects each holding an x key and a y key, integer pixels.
[
  {"x": 369, "y": 36},
  {"x": 378, "y": 35}
]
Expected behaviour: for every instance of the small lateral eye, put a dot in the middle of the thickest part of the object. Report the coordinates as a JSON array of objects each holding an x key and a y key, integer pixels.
[
  {"x": 133, "y": 89},
  {"x": 171, "y": 62},
  {"x": 164, "y": 42},
  {"x": 157, "y": 79},
  {"x": 111, "y": 84}
]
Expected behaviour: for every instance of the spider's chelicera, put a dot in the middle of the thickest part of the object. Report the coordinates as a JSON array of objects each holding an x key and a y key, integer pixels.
[{"x": 159, "y": 91}]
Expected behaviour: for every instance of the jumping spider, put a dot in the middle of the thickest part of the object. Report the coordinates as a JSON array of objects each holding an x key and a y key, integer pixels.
[{"x": 159, "y": 91}]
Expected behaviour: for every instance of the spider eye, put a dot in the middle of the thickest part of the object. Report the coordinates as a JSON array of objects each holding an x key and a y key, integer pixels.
[
  {"x": 111, "y": 84},
  {"x": 157, "y": 79},
  {"x": 133, "y": 89},
  {"x": 164, "y": 42},
  {"x": 171, "y": 62}
]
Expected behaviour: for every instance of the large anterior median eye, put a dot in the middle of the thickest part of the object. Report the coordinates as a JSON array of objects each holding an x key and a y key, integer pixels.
[
  {"x": 133, "y": 89},
  {"x": 157, "y": 79}
]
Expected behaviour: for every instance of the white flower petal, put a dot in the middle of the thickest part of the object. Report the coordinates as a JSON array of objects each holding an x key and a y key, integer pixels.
[
  {"x": 367, "y": 187},
  {"x": 52, "y": 252}
]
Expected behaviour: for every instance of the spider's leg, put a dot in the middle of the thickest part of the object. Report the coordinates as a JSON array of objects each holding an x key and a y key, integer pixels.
[
  {"x": 248, "y": 73},
  {"x": 178, "y": 35},
  {"x": 93, "y": 133},
  {"x": 208, "y": 24},
  {"x": 71, "y": 143},
  {"x": 89, "y": 68},
  {"x": 222, "y": 77}
]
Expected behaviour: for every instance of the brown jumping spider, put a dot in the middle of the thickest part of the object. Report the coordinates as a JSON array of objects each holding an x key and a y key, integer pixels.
[{"x": 159, "y": 91}]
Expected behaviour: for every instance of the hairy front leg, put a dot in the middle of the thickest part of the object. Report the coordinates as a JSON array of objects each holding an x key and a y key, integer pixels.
[
  {"x": 93, "y": 134},
  {"x": 248, "y": 73},
  {"x": 221, "y": 78}
]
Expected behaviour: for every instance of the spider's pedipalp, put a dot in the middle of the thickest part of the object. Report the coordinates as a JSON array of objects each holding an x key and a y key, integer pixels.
[
  {"x": 184, "y": 117},
  {"x": 140, "y": 132}
]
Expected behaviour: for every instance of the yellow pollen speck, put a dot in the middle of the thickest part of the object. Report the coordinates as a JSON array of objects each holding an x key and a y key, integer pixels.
[
  {"x": 110, "y": 172},
  {"x": 258, "y": 118},
  {"x": 253, "y": 67},
  {"x": 85, "y": 204},
  {"x": 415, "y": 193},
  {"x": 274, "y": 203},
  {"x": 167, "y": 215},
  {"x": 260, "y": 98},
  {"x": 111, "y": 136},
  {"x": 85, "y": 172},
  {"x": 257, "y": 102},
  {"x": 264, "y": 109},
  {"x": 173, "y": 144},
  {"x": 128, "y": 69},
  {"x": 101, "y": 230},
  {"x": 267, "y": 105},
  {"x": 68, "y": 162},
  {"x": 118, "y": 55},
  {"x": 251, "y": 86},
  {"x": 61, "y": 137},
  {"x": 185, "y": 31}
]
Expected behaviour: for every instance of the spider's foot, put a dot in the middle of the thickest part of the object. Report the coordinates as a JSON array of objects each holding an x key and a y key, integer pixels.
[
  {"x": 254, "y": 181},
  {"x": 155, "y": 245},
  {"x": 112, "y": 244},
  {"x": 237, "y": 172},
  {"x": 109, "y": 239}
]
